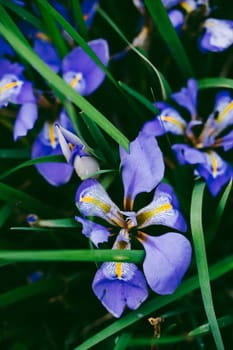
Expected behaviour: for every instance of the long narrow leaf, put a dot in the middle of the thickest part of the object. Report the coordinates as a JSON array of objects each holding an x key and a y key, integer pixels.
[
  {"x": 215, "y": 83},
  {"x": 161, "y": 19},
  {"x": 201, "y": 261},
  {"x": 72, "y": 255}
]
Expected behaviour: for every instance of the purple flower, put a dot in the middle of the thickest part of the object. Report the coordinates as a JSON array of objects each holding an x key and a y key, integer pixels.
[
  {"x": 16, "y": 90},
  {"x": 203, "y": 138},
  {"x": 118, "y": 284},
  {"x": 81, "y": 72},
  {"x": 218, "y": 35},
  {"x": 47, "y": 144},
  {"x": 84, "y": 76}
]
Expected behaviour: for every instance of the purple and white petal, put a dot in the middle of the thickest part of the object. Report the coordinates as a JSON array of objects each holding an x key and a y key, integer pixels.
[
  {"x": 95, "y": 232},
  {"x": 166, "y": 261},
  {"x": 163, "y": 210},
  {"x": 218, "y": 35},
  {"x": 215, "y": 171},
  {"x": 55, "y": 173},
  {"x": 81, "y": 72},
  {"x": 118, "y": 285},
  {"x": 142, "y": 167},
  {"x": 92, "y": 200}
]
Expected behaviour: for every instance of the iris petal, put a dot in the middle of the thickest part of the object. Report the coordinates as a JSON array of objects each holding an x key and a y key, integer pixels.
[
  {"x": 215, "y": 171},
  {"x": 218, "y": 35},
  {"x": 25, "y": 120},
  {"x": 163, "y": 210},
  {"x": 167, "y": 259},
  {"x": 80, "y": 62},
  {"x": 116, "y": 290},
  {"x": 92, "y": 200},
  {"x": 95, "y": 232},
  {"x": 144, "y": 175},
  {"x": 187, "y": 97}
]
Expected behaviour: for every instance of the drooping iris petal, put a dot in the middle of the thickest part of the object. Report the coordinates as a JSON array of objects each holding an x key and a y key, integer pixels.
[
  {"x": 55, "y": 173},
  {"x": 79, "y": 62},
  {"x": 166, "y": 261},
  {"x": 163, "y": 210},
  {"x": 92, "y": 200},
  {"x": 169, "y": 120},
  {"x": 224, "y": 109},
  {"x": 118, "y": 285},
  {"x": 215, "y": 171},
  {"x": 142, "y": 167},
  {"x": 187, "y": 97},
  {"x": 218, "y": 35},
  {"x": 26, "y": 118},
  {"x": 95, "y": 232}
]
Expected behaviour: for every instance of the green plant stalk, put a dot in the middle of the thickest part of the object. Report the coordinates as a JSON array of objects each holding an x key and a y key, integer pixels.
[{"x": 201, "y": 261}]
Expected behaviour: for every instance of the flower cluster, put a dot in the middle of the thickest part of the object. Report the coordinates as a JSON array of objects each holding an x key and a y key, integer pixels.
[
  {"x": 120, "y": 284},
  {"x": 202, "y": 138}
]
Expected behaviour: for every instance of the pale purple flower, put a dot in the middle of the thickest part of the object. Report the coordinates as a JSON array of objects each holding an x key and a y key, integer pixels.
[{"x": 121, "y": 284}]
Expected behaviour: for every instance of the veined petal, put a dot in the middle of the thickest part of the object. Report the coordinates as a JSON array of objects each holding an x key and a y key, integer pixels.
[
  {"x": 144, "y": 175},
  {"x": 169, "y": 120},
  {"x": 25, "y": 120},
  {"x": 163, "y": 210},
  {"x": 118, "y": 285},
  {"x": 218, "y": 35},
  {"x": 224, "y": 108},
  {"x": 95, "y": 232},
  {"x": 187, "y": 97},
  {"x": 80, "y": 62},
  {"x": 167, "y": 259},
  {"x": 215, "y": 171},
  {"x": 55, "y": 173},
  {"x": 92, "y": 200}
]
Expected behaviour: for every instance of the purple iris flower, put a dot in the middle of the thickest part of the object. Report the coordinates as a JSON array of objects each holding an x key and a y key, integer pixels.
[
  {"x": 85, "y": 76},
  {"x": 202, "y": 138},
  {"x": 118, "y": 284},
  {"x": 16, "y": 90},
  {"x": 81, "y": 72}
]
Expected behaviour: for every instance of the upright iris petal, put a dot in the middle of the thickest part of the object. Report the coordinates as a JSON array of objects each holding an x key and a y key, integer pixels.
[
  {"x": 187, "y": 97},
  {"x": 150, "y": 167},
  {"x": 81, "y": 72},
  {"x": 167, "y": 259}
]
